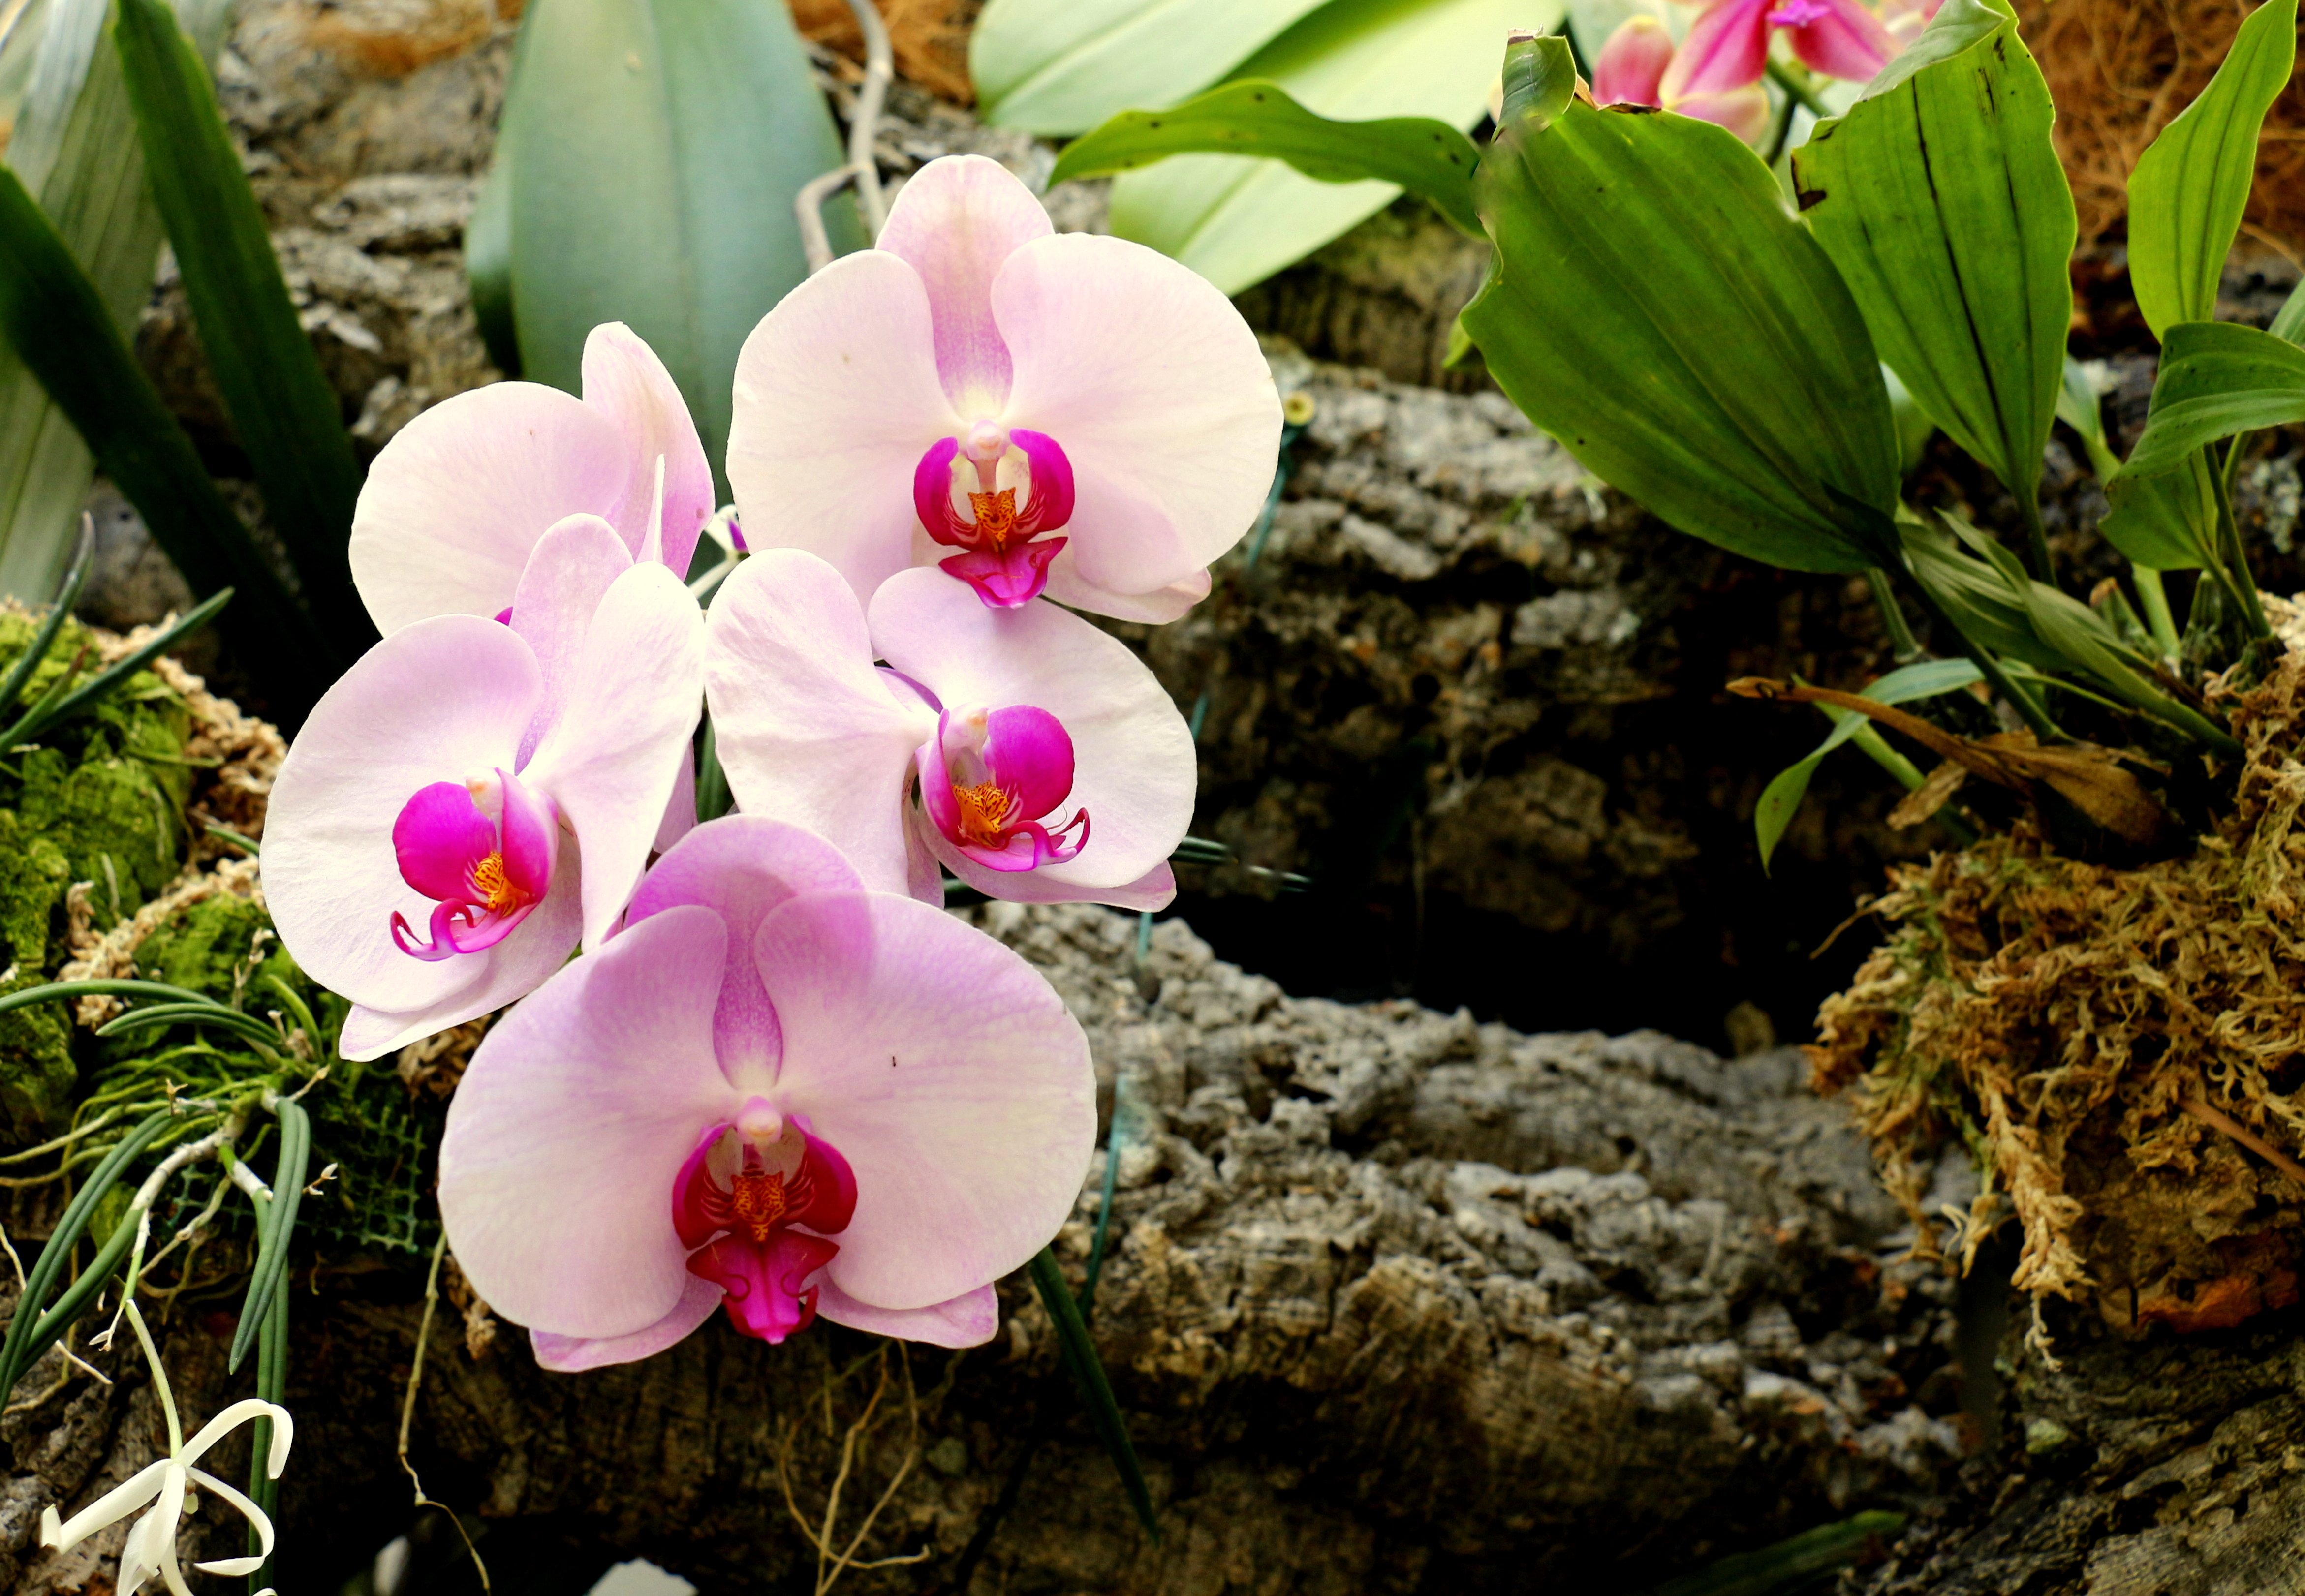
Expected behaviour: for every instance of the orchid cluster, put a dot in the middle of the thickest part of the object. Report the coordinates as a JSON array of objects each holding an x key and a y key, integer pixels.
[
  {"x": 1714, "y": 72},
  {"x": 781, "y": 1079}
]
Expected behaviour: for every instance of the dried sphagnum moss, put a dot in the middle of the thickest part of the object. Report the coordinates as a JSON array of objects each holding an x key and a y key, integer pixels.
[{"x": 2056, "y": 1016}]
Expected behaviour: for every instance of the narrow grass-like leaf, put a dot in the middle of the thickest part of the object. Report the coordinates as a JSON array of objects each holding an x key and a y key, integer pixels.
[
  {"x": 15, "y": 734},
  {"x": 1791, "y": 1565},
  {"x": 59, "y": 612},
  {"x": 1088, "y": 1370},
  {"x": 2190, "y": 187},
  {"x": 41, "y": 1278},
  {"x": 1253, "y": 117},
  {"x": 271, "y": 1386},
  {"x": 1685, "y": 339},
  {"x": 116, "y": 674},
  {"x": 62, "y": 990},
  {"x": 273, "y": 1244},
  {"x": 51, "y": 315},
  {"x": 1782, "y": 799},
  {"x": 2289, "y": 321},
  {"x": 160, "y": 1016}
]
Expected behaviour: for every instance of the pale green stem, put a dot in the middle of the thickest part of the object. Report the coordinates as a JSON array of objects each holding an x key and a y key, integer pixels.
[
  {"x": 1893, "y": 616},
  {"x": 2237, "y": 579},
  {"x": 2152, "y": 599},
  {"x": 160, "y": 1380}
]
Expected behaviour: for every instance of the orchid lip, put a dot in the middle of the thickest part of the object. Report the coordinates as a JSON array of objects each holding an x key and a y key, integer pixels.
[
  {"x": 991, "y": 779},
  {"x": 736, "y": 1203},
  {"x": 1003, "y": 558},
  {"x": 484, "y": 877}
]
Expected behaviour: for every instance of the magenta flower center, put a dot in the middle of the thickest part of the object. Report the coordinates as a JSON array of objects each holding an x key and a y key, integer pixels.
[
  {"x": 484, "y": 876},
  {"x": 993, "y": 780},
  {"x": 1799, "y": 14},
  {"x": 735, "y": 1204},
  {"x": 1004, "y": 555}
]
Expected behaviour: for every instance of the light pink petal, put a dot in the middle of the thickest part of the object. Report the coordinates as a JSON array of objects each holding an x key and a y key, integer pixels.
[
  {"x": 1156, "y": 889},
  {"x": 568, "y": 1129},
  {"x": 1847, "y": 40},
  {"x": 624, "y": 381},
  {"x": 1632, "y": 64},
  {"x": 1744, "y": 112},
  {"x": 806, "y": 730},
  {"x": 741, "y": 867},
  {"x": 1158, "y": 607},
  {"x": 574, "y": 1354},
  {"x": 954, "y": 223},
  {"x": 443, "y": 700},
  {"x": 459, "y": 497},
  {"x": 837, "y": 399},
  {"x": 1727, "y": 47},
  {"x": 680, "y": 811},
  {"x": 635, "y": 694},
  {"x": 969, "y": 1319},
  {"x": 567, "y": 575},
  {"x": 947, "y": 1071},
  {"x": 1133, "y": 767},
  {"x": 1153, "y": 386}
]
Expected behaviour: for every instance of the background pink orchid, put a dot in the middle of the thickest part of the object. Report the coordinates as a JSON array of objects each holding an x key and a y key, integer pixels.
[
  {"x": 977, "y": 353},
  {"x": 631, "y": 1146},
  {"x": 1014, "y": 724},
  {"x": 458, "y": 498},
  {"x": 1632, "y": 68},
  {"x": 1715, "y": 73},
  {"x": 474, "y": 797}
]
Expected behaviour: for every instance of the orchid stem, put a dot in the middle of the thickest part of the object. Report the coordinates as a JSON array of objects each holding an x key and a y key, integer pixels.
[
  {"x": 1906, "y": 648},
  {"x": 2152, "y": 599},
  {"x": 159, "y": 1377}
]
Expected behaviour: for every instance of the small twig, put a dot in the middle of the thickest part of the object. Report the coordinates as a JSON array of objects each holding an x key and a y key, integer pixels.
[
  {"x": 2219, "y": 1120},
  {"x": 408, "y": 1407}
]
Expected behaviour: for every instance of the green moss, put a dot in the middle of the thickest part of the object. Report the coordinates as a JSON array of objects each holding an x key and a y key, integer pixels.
[{"x": 36, "y": 1066}]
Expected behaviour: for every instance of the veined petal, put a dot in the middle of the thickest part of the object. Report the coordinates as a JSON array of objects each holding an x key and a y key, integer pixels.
[
  {"x": 443, "y": 700},
  {"x": 572, "y": 1354},
  {"x": 626, "y": 381},
  {"x": 1633, "y": 62},
  {"x": 635, "y": 690},
  {"x": 1155, "y": 389},
  {"x": 954, "y": 223},
  {"x": 106, "y": 1510},
  {"x": 1841, "y": 39},
  {"x": 1727, "y": 47},
  {"x": 837, "y": 398},
  {"x": 458, "y": 499},
  {"x": 741, "y": 867},
  {"x": 568, "y": 574},
  {"x": 968, "y": 1320},
  {"x": 566, "y": 1131},
  {"x": 806, "y": 730},
  {"x": 1133, "y": 767},
  {"x": 1158, "y": 607},
  {"x": 951, "y": 1075},
  {"x": 680, "y": 809}
]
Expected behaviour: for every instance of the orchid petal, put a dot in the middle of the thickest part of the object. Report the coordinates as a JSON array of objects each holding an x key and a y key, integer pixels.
[
  {"x": 1727, "y": 47},
  {"x": 105, "y": 1511},
  {"x": 443, "y": 698},
  {"x": 806, "y": 729},
  {"x": 741, "y": 867},
  {"x": 574, "y": 1354},
  {"x": 164, "y": 1518},
  {"x": 1155, "y": 889},
  {"x": 567, "y": 1130},
  {"x": 459, "y": 495},
  {"x": 951, "y": 1075},
  {"x": 972, "y": 1319},
  {"x": 624, "y": 381},
  {"x": 1847, "y": 40},
  {"x": 1158, "y": 607},
  {"x": 635, "y": 693},
  {"x": 1134, "y": 769},
  {"x": 837, "y": 397},
  {"x": 233, "y": 1568},
  {"x": 1156, "y": 389},
  {"x": 766, "y": 1283},
  {"x": 140, "y": 1553},
  {"x": 1633, "y": 62},
  {"x": 244, "y": 1411},
  {"x": 954, "y": 223},
  {"x": 530, "y": 836},
  {"x": 566, "y": 578},
  {"x": 1744, "y": 112},
  {"x": 680, "y": 810}
]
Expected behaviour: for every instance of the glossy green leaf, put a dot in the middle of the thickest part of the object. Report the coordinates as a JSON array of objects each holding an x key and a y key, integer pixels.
[
  {"x": 2167, "y": 522},
  {"x": 54, "y": 319},
  {"x": 487, "y": 266},
  {"x": 1237, "y": 220},
  {"x": 282, "y": 410},
  {"x": 1684, "y": 337},
  {"x": 2218, "y": 379},
  {"x": 2289, "y": 321},
  {"x": 659, "y": 145},
  {"x": 1941, "y": 201},
  {"x": 1061, "y": 66},
  {"x": 1253, "y": 117},
  {"x": 2190, "y": 187},
  {"x": 1782, "y": 799}
]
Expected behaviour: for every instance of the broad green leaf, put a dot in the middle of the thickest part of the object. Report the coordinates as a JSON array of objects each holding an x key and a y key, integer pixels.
[
  {"x": 1782, "y": 799},
  {"x": 487, "y": 265},
  {"x": 2080, "y": 406},
  {"x": 1654, "y": 306},
  {"x": 1941, "y": 201},
  {"x": 1983, "y": 589},
  {"x": 56, "y": 322},
  {"x": 2218, "y": 379},
  {"x": 2289, "y": 321},
  {"x": 1236, "y": 220},
  {"x": 1253, "y": 117},
  {"x": 283, "y": 409},
  {"x": 2189, "y": 188},
  {"x": 1061, "y": 66},
  {"x": 658, "y": 146},
  {"x": 74, "y": 147},
  {"x": 2167, "y": 522}
]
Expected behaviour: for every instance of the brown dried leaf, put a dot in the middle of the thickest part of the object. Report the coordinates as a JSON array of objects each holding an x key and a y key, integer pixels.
[{"x": 1930, "y": 797}]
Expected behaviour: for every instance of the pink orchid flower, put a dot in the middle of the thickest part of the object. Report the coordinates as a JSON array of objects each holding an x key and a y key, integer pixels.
[
  {"x": 772, "y": 1091},
  {"x": 1030, "y": 411},
  {"x": 474, "y": 797},
  {"x": 1024, "y": 749},
  {"x": 1632, "y": 69},
  {"x": 457, "y": 500},
  {"x": 1906, "y": 19},
  {"x": 1727, "y": 45}
]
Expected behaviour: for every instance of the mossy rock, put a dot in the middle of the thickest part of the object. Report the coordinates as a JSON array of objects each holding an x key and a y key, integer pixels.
[{"x": 36, "y": 1074}]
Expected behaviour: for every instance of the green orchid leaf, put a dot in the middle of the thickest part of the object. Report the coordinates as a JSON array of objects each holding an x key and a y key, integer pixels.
[
  {"x": 487, "y": 266},
  {"x": 2190, "y": 187},
  {"x": 1236, "y": 219},
  {"x": 1060, "y": 66},
  {"x": 658, "y": 146},
  {"x": 1080, "y": 1356},
  {"x": 1253, "y": 117},
  {"x": 1782, "y": 799},
  {"x": 2081, "y": 407},
  {"x": 282, "y": 407},
  {"x": 2091, "y": 645},
  {"x": 270, "y": 1269},
  {"x": 1941, "y": 201},
  {"x": 1982, "y": 589},
  {"x": 2167, "y": 522},
  {"x": 2289, "y": 321},
  {"x": 1687, "y": 339},
  {"x": 2218, "y": 379}
]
